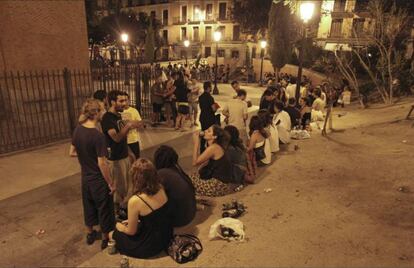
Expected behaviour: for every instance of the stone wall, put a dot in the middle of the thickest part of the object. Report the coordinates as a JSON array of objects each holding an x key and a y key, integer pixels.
[{"x": 43, "y": 35}]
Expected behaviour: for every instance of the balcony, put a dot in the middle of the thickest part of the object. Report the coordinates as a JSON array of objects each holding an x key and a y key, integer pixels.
[{"x": 179, "y": 20}]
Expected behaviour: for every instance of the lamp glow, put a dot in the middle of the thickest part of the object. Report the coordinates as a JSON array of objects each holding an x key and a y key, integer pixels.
[
  {"x": 263, "y": 44},
  {"x": 217, "y": 36},
  {"x": 186, "y": 43},
  {"x": 124, "y": 37},
  {"x": 306, "y": 11}
]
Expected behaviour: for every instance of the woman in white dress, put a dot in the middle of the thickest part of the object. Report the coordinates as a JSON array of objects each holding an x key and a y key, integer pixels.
[{"x": 267, "y": 119}]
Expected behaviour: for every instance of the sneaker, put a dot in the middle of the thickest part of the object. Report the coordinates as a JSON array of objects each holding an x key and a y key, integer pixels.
[
  {"x": 91, "y": 237},
  {"x": 104, "y": 243}
]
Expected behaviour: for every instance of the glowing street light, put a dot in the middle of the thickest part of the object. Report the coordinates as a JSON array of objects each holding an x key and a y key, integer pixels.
[
  {"x": 217, "y": 37},
  {"x": 124, "y": 37},
  {"x": 306, "y": 13},
  {"x": 263, "y": 45},
  {"x": 186, "y": 44}
]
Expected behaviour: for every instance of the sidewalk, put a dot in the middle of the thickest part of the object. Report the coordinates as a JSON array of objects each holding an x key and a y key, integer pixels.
[{"x": 28, "y": 170}]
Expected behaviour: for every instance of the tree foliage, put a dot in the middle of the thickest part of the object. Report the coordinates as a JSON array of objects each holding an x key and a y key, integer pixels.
[
  {"x": 252, "y": 15},
  {"x": 279, "y": 35}
]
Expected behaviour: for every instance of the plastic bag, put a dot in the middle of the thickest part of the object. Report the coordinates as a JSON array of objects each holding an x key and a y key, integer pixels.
[
  {"x": 235, "y": 227},
  {"x": 298, "y": 134}
]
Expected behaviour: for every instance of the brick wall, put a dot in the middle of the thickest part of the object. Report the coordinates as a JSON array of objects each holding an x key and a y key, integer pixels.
[{"x": 43, "y": 35}]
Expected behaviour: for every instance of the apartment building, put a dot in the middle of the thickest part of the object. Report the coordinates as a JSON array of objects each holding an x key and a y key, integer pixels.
[
  {"x": 341, "y": 21},
  {"x": 193, "y": 20}
]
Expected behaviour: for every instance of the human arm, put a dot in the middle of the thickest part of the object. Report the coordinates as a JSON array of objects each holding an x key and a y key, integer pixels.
[
  {"x": 104, "y": 167},
  {"x": 131, "y": 226},
  {"x": 252, "y": 142},
  {"x": 119, "y": 136},
  {"x": 205, "y": 156},
  {"x": 72, "y": 151}
]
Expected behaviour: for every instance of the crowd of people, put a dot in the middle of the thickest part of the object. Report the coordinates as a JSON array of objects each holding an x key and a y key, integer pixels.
[{"x": 137, "y": 202}]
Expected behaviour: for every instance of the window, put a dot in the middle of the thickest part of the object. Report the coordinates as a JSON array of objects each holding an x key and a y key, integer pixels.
[
  {"x": 208, "y": 33},
  {"x": 336, "y": 28},
  {"x": 196, "y": 36},
  {"x": 207, "y": 52},
  {"x": 339, "y": 5},
  {"x": 165, "y": 36},
  {"x": 209, "y": 12},
  {"x": 184, "y": 13},
  {"x": 153, "y": 14},
  {"x": 222, "y": 11},
  {"x": 196, "y": 13},
  {"x": 253, "y": 52},
  {"x": 357, "y": 27},
  {"x": 361, "y": 5},
  {"x": 220, "y": 52},
  {"x": 165, "y": 17},
  {"x": 236, "y": 33},
  {"x": 165, "y": 53},
  {"x": 183, "y": 33},
  {"x": 235, "y": 54},
  {"x": 222, "y": 29}
]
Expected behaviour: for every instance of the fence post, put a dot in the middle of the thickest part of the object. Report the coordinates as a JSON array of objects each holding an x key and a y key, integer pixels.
[
  {"x": 138, "y": 88},
  {"x": 67, "y": 81}
]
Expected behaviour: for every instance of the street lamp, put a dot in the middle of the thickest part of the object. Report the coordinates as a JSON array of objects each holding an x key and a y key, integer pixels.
[
  {"x": 186, "y": 44},
  {"x": 263, "y": 45},
  {"x": 124, "y": 38},
  {"x": 306, "y": 12},
  {"x": 217, "y": 37}
]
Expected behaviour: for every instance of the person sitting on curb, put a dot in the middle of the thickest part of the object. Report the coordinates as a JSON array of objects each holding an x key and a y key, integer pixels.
[
  {"x": 215, "y": 178},
  {"x": 148, "y": 230},
  {"x": 259, "y": 145},
  {"x": 281, "y": 119},
  {"x": 177, "y": 184},
  {"x": 267, "y": 120}
]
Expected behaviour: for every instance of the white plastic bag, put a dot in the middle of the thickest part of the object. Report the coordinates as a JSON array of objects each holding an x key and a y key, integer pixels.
[{"x": 234, "y": 224}]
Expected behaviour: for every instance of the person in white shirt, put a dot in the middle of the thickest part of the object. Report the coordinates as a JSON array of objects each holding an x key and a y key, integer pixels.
[
  {"x": 291, "y": 88},
  {"x": 318, "y": 106},
  {"x": 282, "y": 121},
  {"x": 236, "y": 86},
  {"x": 235, "y": 111}
]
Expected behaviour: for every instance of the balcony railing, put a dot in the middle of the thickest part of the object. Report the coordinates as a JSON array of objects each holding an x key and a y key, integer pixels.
[{"x": 179, "y": 20}]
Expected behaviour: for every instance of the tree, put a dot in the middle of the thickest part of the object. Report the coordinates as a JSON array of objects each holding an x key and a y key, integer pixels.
[
  {"x": 279, "y": 35},
  {"x": 383, "y": 58},
  {"x": 252, "y": 15},
  {"x": 149, "y": 45}
]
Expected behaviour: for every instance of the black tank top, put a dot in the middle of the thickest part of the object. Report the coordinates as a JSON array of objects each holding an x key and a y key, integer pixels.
[{"x": 222, "y": 169}]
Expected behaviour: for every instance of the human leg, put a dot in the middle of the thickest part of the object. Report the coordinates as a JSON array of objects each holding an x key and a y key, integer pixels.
[{"x": 90, "y": 213}]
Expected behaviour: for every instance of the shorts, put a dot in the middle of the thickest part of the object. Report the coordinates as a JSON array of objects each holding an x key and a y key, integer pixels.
[
  {"x": 183, "y": 108},
  {"x": 193, "y": 107},
  {"x": 119, "y": 170},
  {"x": 156, "y": 108}
]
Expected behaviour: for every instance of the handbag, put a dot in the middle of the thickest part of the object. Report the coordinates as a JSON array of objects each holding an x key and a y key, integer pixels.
[
  {"x": 259, "y": 152},
  {"x": 184, "y": 248}
]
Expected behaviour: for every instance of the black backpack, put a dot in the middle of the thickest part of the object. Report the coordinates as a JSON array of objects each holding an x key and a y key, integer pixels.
[{"x": 184, "y": 248}]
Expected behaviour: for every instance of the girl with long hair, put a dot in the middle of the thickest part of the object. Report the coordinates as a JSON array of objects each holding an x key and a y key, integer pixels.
[
  {"x": 259, "y": 145},
  {"x": 148, "y": 230}
]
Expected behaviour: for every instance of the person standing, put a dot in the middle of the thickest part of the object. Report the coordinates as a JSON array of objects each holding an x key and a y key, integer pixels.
[
  {"x": 208, "y": 109},
  {"x": 181, "y": 94},
  {"x": 130, "y": 114},
  {"x": 193, "y": 99},
  {"x": 235, "y": 112},
  {"x": 116, "y": 131},
  {"x": 89, "y": 145},
  {"x": 157, "y": 99}
]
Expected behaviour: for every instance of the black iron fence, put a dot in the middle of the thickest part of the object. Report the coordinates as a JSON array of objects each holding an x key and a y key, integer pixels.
[{"x": 42, "y": 107}]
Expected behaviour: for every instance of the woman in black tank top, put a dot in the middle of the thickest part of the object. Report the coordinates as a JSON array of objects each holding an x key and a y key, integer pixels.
[{"x": 148, "y": 229}]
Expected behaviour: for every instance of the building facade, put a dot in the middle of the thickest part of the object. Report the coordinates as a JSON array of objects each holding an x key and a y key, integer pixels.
[
  {"x": 195, "y": 21},
  {"x": 341, "y": 22}
]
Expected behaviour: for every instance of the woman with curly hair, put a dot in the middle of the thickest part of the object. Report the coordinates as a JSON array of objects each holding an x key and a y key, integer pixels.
[
  {"x": 148, "y": 230},
  {"x": 215, "y": 178}
]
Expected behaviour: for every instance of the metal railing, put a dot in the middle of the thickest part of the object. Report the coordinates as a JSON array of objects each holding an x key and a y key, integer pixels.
[{"x": 41, "y": 107}]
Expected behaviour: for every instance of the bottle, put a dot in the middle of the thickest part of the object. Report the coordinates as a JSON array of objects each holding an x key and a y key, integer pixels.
[
  {"x": 124, "y": 262},
  {"x": 109, "y": 152},
  {"x": 111, "y": 248}
]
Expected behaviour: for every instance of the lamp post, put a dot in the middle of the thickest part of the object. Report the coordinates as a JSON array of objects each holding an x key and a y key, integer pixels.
[
  {"x": 306, "y": 12},
  {"x": 263, "y": 45},
  {"x": 217, "y": 37},
  {"x": 124, "y": 38},
  {"x": 186, "y": 44}
]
